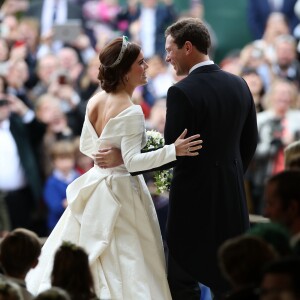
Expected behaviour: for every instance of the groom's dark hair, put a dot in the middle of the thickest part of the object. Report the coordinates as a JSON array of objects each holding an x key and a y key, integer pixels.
[{"x": 192, "y": 30}]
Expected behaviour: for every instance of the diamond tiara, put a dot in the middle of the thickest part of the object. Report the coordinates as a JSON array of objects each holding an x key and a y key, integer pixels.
[{"x": 122, "y": 51}]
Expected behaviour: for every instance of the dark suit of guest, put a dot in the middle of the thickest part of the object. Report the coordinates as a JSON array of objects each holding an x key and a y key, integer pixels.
[
  {"x": 207, "y": 202},
  {"x": 23, "y": 203},
  {"x": 258, "y": 12}
]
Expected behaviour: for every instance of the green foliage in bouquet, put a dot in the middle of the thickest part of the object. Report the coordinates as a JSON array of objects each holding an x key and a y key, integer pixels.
[{"x": 162, "y": 179}]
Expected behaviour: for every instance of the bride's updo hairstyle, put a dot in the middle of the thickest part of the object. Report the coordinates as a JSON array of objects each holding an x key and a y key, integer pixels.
[{"x": 116, "y": 59}]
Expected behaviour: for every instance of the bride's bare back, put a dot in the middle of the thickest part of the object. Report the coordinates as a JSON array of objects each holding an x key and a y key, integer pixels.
[{"x": 103, "y": 106}]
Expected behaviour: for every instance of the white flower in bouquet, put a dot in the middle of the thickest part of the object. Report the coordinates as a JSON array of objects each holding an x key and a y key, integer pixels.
[
  {"x": 155, "y": 140},
  {"x": 162, "y": 179}
]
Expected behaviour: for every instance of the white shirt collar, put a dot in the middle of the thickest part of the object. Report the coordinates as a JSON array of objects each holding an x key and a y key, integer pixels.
[{"x": 203, "y": 63}]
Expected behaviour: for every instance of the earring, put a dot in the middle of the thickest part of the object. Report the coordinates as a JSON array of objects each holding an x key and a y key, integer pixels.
[{"x": 126, "y": 78}]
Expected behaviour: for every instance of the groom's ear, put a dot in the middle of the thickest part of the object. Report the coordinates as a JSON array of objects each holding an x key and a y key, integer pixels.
[{"x": 188, "y": 47}]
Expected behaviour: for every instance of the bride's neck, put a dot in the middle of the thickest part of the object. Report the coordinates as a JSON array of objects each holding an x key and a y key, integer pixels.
[{"x": 125, "y": 92}]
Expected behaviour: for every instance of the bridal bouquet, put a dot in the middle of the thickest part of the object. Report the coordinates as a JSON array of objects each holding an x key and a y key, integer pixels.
[{"x": 162, "y": 179}]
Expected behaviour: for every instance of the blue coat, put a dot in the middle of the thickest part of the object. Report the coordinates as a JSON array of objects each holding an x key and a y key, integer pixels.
[
  {"x": 259, "y": 10},
  {"x": 54, "y": 195}
]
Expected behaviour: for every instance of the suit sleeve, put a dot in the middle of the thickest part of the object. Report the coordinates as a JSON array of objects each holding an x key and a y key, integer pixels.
[{"x": 178, "y": 111}]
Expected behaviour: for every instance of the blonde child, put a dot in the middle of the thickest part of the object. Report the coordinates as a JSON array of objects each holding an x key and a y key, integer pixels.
[{"x": 64, "y": 172}]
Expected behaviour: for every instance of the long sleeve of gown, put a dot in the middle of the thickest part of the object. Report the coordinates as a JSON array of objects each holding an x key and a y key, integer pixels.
[
  {"x": 136, "y": 161},
  {"x": 133, "y": 141}
]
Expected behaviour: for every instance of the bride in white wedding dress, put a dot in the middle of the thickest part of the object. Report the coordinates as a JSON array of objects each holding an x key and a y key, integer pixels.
[{"x": 110, "y": 213}]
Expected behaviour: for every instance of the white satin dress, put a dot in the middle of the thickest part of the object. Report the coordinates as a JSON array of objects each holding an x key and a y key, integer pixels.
[{"x": 111, "y": 215}]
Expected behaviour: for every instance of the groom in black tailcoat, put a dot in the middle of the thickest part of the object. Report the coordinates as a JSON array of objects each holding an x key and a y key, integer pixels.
[{"x": 207, "y": 198}]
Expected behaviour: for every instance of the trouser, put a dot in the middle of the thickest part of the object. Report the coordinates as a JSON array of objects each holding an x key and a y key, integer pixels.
[
  {"x": 4, "y": 217},
  {"x": 182, "y": 285},
  {"x": 20, "y": 206}
]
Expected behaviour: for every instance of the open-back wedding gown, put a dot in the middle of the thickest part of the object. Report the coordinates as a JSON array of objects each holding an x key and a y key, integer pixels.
[{"x": 111, "y": 215}]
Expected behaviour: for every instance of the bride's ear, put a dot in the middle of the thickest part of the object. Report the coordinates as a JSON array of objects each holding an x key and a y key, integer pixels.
[{"x": 125, "y": 79}]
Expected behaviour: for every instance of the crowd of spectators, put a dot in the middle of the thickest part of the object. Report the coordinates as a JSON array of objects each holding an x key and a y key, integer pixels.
[{"x": 46, "y": 79}]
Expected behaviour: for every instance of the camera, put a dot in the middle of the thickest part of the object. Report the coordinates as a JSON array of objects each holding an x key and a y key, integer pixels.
[{"x": 4, "y": 102}]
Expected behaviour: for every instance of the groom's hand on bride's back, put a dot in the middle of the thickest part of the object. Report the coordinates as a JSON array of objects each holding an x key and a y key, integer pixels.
[{"x": 108, "y": 158}]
